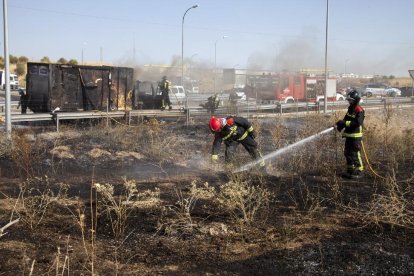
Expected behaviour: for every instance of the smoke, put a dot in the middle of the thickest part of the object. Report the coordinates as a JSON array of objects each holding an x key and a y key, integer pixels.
[
  {"x": 298, "y": 54},
  {"x": 371, "y": 58},
  {"x": 292, "y": 54}
]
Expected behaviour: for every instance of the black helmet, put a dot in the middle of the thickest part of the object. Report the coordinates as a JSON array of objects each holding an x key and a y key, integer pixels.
[
  {"x": 164, "y": 77},
  {"x": 353, "y": 95}
]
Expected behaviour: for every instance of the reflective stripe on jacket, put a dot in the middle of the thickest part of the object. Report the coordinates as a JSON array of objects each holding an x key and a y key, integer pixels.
[
  {"x": 354, "y": 120},
  {"x": 236, "y": 129}
]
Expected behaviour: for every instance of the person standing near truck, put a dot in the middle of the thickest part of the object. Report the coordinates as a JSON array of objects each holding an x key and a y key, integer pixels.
[
  {"x": 352, "y": 123},
  {"x": 23, "y": 101},
  {"x": 165, "y": 90}
]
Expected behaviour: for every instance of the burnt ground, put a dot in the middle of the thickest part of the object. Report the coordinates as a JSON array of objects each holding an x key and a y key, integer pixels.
[{"x": 315, "y": 222}]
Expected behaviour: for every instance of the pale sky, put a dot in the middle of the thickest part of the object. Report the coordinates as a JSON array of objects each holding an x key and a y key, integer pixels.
[{"x": 364, "y": 36}]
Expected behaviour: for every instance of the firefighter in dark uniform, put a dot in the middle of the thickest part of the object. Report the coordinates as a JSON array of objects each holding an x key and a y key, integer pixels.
[
  {"x": 234, "y": 131},
  {"x": 352, "y": 123},
  {"x": 23, "y": 101},
  {"x": 165, "y": 90},
  {"x": 212, "y": 104}
]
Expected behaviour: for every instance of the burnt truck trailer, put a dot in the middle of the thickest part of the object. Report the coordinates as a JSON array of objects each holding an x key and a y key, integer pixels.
[{"x": 79, "y": 87}]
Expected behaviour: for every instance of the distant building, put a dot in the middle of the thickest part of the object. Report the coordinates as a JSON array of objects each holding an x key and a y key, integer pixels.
[
  {"x": 367, "y": 76},
  {"x": 349, "y": 76}
]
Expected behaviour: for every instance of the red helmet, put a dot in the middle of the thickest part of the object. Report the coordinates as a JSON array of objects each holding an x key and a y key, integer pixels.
[{"x": 215, "y": 124}]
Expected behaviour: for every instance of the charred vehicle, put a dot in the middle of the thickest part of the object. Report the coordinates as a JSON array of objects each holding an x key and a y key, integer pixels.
[
  {"x": 147, "y": 95},
  {"x": 78, "y": 87}
]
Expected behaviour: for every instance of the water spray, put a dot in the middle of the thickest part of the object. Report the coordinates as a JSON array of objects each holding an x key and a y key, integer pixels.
[{"x": 282, "y": 150}]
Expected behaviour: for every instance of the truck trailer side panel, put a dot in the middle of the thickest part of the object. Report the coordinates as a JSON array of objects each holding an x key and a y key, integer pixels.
[{"x": 76, "y": 88}]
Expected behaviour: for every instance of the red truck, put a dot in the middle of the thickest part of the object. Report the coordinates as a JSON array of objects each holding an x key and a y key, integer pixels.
[{"x": 290, "y": 87}]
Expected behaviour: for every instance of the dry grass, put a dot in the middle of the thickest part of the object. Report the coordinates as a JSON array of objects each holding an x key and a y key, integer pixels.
[{"x": 236, "y": 207}]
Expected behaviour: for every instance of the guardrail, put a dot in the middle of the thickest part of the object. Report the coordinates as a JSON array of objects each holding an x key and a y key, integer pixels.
[
  {"x": 127, "y": 115},
  {"x": 12, "y": 103},
  {"x": 194, "y": 110}
]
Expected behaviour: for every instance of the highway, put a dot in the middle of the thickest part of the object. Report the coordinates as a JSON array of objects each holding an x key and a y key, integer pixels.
[{"x": 245, "y": 108}]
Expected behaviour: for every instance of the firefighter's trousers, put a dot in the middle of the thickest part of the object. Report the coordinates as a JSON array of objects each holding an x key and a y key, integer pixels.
[
  {"x": 248, "y": 143},
  {"x": 165, "y": 99},
  {"x": 352, "y": 154}
]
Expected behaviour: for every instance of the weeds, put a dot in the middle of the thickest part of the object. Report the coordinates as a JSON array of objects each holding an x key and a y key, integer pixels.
[
  {"x": 182, "y": 210},
  {"x": 4, "y": 144},
  {"x": 61, "y": 263},
  {"x": 117, "y": 207},
  {"x": 306, "y": 200},
  {"x": 244, "y": 201},
  {"x": 34, "y": 202},
  {"x": 88, "y": 235},
  {"x": 395, "y": 207}
]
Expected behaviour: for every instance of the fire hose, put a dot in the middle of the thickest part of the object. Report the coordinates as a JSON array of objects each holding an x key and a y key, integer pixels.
[{"x": 368, "y": 163}]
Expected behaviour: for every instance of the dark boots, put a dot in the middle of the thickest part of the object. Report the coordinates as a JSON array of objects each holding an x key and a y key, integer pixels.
[{"x": 355, "y": 174}]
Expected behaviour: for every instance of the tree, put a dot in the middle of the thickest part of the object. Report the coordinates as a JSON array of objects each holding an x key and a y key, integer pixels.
[
  {"x": 1, "y": 62},
  {"x": 62, "y": 61},
  {"x": 23, "y": 59},
  {"x": 13, "y": 59},
  {"x": 20, "y": 69},
  {"x": 45, "y": 59},
  {"x": 73, "y": 62}
]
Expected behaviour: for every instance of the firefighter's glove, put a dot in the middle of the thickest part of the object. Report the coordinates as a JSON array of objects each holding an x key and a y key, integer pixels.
[
  {"x": 214, "y": 157},
  {"x": 252, "y": 134},
  {"x": 340, "y": 125}
]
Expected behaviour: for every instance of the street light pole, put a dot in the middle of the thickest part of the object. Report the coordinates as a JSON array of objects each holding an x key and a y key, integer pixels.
[
  {"x": 215, "y": 60},
  {"x": 191, "y": 59},
  {"x": 7, "y": 71},
  {"x": 83, "y": 44},
  {"x": 182, "y": 44},
  {"x": 325, "y": 105},
  {"x": 182, "y": 63}
]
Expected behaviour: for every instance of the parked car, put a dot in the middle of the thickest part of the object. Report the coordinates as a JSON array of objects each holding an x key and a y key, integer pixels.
[
  {"x": 374, "y": 89},
  {"x": 393, "y": 92},
  {"x": 380, "y": 89},
  {"x": 340, "y": 97},
  {"x": 237, "y": 96}
]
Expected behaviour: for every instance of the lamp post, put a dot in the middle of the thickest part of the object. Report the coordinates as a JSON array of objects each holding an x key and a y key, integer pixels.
[
  {"x": 83, "y": 44},
  {"x": 325, "y": 104},
  {"x": 215, "y": 60},
  {"x": 191, "y": 59},
  {"x": 7, "y": 71},
  {"x": 182, "y": 44},
  {"x": 182, "y": 62}
]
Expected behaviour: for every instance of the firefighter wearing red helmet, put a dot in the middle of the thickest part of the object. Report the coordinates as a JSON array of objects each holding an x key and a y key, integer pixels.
[
  {"x": 233, "y": 131},
  {"x": 352, "y": 125}
]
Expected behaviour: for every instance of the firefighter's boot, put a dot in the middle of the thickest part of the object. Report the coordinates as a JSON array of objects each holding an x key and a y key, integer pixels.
[
  {"x": 170, "y": 107},
  {"x": 357, "y": 174}
]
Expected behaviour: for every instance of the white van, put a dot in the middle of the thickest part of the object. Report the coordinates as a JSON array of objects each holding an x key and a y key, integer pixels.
[
  {"x": 14, "y": 81},
  {"x": 177, "y": 94}
]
